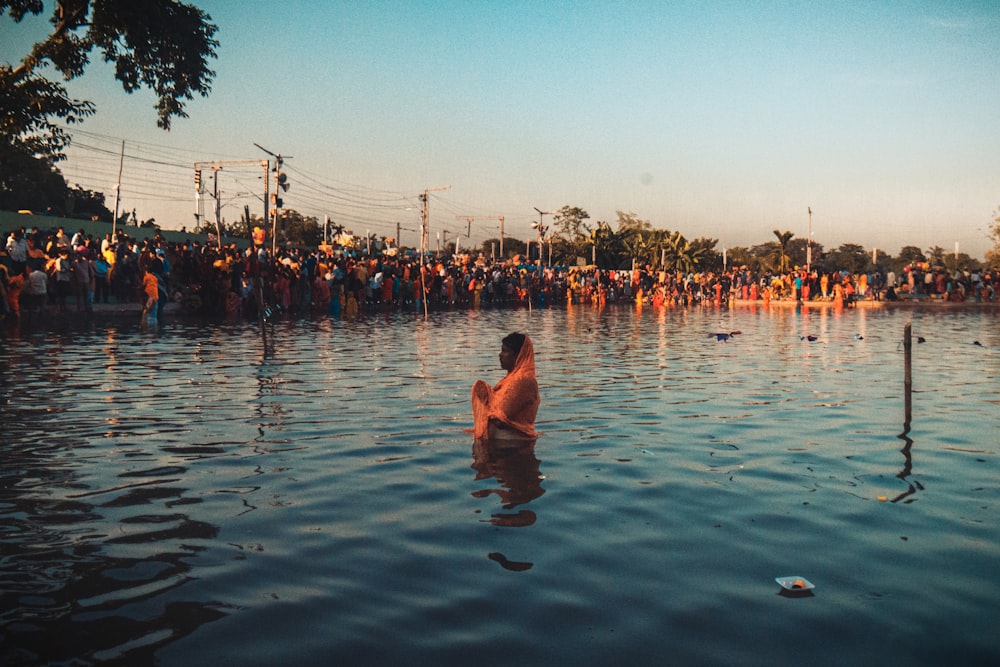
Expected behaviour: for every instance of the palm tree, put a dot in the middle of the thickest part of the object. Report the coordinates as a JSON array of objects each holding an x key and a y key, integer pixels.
[
  {"x": 608, "y": 251},
  {"x": 680, "y": 254},
  {"x": 936, "y": 255},
  {"x": 640, "y": 247},
  {"x": 784, "y": 261}
]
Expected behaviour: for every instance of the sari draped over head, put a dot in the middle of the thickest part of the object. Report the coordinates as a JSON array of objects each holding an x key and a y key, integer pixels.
[{"x": 513, "y": 402}]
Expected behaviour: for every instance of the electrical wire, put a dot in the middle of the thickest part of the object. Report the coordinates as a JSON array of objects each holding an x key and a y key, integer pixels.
[{"x": 158, "y": 174}]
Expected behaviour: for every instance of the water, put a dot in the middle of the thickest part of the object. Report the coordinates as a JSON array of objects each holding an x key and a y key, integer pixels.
[{"x": 173, "y": 497}]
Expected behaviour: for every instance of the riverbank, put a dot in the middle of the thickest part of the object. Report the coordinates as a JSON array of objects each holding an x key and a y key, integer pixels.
[
  {"x": 100, "y": 312},
  {"x": 867, "y": 304},
  {"x": 104, "y": 312}
]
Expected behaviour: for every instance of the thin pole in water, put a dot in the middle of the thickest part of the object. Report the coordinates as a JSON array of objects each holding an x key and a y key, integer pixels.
[
  {"x": 907, "y": 452},
  {"x": 907, "y": 371},
  {"x": 256, "y": 273}
]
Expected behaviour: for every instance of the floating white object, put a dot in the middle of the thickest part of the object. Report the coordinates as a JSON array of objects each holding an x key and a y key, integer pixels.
[{"x": 795, "y": 584}]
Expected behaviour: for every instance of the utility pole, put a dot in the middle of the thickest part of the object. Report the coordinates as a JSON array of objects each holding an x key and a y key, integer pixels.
[
  {"x": 118, "y": 192},
  {"x": 809, "y": 243},
  {"x": 280, "y": 185},
  {"x": 424, "y": 232},
  {"x": 469, "y": 219},
  {"x": 425, "y": 219},
  {"x": 218, "y": 206},
  {"x": 541, "y": 234},
  {"x": 218, "y": 165}
]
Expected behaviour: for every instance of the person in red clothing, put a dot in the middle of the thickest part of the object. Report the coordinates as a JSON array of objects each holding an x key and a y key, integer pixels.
[
  {"x": 151, "y": 289},
  {"x": 508, "y": 409},
  {"x": 14, "y": 287}
]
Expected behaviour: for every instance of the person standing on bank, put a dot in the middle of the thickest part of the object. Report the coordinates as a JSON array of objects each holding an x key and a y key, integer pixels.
[
  {"x": 83, "y": 279},
  {"x": 17, "y": 251},
  {"x": 507, "y": 410}
]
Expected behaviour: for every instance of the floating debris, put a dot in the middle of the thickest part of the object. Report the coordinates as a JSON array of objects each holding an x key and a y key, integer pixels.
[{"x": 795, "y": 584}]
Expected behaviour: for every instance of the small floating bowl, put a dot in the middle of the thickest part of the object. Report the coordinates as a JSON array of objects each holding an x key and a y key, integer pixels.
[{"x": 795, "y": 584}]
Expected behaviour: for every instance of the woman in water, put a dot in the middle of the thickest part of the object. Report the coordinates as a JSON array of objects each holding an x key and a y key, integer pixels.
[{"x": 507, "y": 411}]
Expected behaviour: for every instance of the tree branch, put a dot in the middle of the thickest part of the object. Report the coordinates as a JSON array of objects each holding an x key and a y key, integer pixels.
[{"x": 67, "y": 17}]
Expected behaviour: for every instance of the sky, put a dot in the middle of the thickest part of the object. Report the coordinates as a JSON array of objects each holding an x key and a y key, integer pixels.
[{"x": 716, "y": 119}]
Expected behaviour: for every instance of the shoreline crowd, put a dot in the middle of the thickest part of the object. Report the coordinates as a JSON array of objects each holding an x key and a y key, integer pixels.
[{"x": 45, "y": 271}]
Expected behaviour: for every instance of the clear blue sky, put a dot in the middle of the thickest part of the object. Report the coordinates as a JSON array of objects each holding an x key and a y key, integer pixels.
[{"x": 718, "y": 119}]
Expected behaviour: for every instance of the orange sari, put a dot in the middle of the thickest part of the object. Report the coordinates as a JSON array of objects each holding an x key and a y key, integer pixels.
[{"x": 513, "y": 402}]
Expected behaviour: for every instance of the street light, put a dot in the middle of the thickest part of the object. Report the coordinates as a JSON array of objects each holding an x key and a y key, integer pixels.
[{"x": 541, "y": 232}]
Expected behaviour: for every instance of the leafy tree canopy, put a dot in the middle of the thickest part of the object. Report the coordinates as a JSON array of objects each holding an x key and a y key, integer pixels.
[
  {"x": 911, "y": 253},
  {"x": 848, "y": 256},
  {"x": 163, "y": 45},
  {"x": 993, "y": 254},
  {"x": 630, "y": 223},
  {"x": 569, "y": 223}
]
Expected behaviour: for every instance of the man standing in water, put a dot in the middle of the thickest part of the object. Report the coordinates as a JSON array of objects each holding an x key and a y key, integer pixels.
[{"x": 507, "y": 410}]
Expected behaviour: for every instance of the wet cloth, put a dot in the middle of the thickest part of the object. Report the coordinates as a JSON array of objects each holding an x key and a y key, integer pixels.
[
  {"x": 151, "y": 286},
  {"x": 513, "y": 402}
]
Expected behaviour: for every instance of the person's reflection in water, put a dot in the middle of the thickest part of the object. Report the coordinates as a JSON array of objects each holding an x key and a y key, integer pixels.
[
  {"x": 504, "y": 446},
  {"x": 516, "y": 468}
]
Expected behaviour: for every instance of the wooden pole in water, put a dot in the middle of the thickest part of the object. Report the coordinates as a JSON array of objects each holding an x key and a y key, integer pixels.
[
  {"x": 907, "y": 373},
  {"x": 257, "y": 284}
]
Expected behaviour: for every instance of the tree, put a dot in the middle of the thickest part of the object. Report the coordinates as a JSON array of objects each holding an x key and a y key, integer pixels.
[
  {"x": 87, "y": 204},
  {"x": 766, "y": 255},
  {"x": 569, "y": 223},
  {"x": 935, "y": 255},
  {"x": 641, "y": 247},
  {"x": 27, "y": 182},
  {"x": 849, "y": 257},
  {"x": 909, "y": 254},
  {"x": 708, "y": 257},
  {"x": 740, "y": 256},
  {"x": 571, "y": 240},
  {"x": 783, "y": 260},
  {"x": 630, "y": 223},
  {"x": 636, "y": 237},
  {"x": 163, "y": 45},
  {"x": 963, "y": 263},
  {"x": 679, "y": 254},
  {"x": 993, "y": 254},
  {"x": 297, "y": 229},
  {"x": 607, "y": 248}
]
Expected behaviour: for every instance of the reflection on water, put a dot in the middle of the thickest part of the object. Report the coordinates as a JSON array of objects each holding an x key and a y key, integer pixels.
[
  {"x": 78, "y": 563},
  {"x": 173, "y": 496},
  {"x": 907, "y": 471},
  {"x": 516, "y": 469}
]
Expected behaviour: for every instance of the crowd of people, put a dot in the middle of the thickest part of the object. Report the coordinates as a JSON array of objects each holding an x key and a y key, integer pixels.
[
  {"x": 43, "y": 271},
  {"x": 52, "y": 270}
]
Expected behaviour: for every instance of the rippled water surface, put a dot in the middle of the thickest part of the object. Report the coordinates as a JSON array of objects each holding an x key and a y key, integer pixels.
[{"x": 173, "y": 497}]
